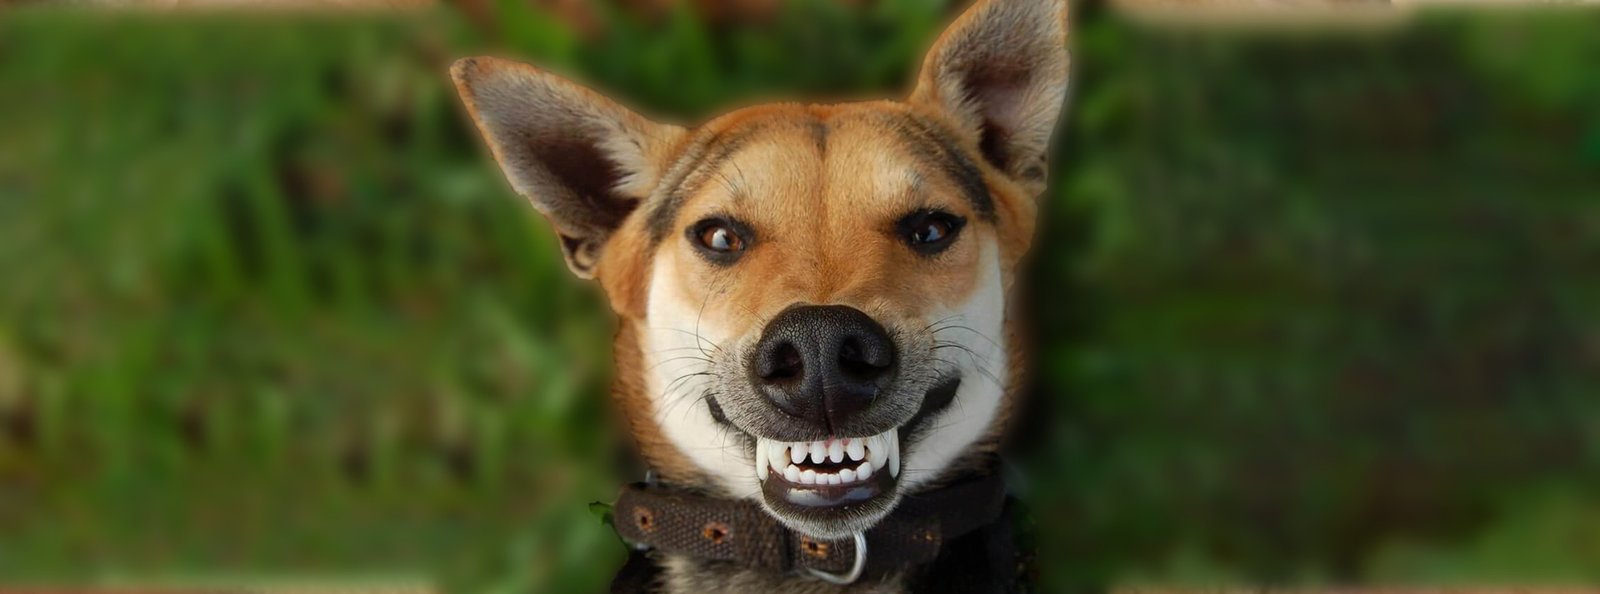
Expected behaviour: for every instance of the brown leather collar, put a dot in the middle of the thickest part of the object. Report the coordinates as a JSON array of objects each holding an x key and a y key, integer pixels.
[{"x": 680, "y": 522}]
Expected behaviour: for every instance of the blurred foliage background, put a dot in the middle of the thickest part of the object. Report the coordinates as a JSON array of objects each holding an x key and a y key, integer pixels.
[{"x": 1314, "y": 306}]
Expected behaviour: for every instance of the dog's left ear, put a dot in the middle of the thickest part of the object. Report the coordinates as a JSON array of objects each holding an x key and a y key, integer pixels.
[
  {"x": 1001, "y": 73},
  {"x": 584, "y": 161}
]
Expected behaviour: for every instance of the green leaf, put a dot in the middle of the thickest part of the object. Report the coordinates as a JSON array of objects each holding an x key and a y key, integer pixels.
[{"x": 602, "y": 511}]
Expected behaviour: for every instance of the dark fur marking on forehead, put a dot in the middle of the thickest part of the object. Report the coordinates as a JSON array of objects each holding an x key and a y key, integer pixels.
[
  {"x": 707, "y": 157},
  {"x": 819, "y": 132},
  {"x": 926, "y": 140},
  {"x": 704, "y": 164},
  {"x": 933, "y": 144}
]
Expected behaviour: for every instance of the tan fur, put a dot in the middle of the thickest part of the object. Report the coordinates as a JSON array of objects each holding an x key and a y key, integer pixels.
[{"x": 838, "y": 255}]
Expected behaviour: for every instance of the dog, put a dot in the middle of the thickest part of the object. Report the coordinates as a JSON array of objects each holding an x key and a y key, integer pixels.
[{"x": 816, "y": 353}]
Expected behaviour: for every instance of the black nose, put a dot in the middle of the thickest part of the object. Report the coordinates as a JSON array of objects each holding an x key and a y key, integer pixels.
[{"x": 823, "y": 362}]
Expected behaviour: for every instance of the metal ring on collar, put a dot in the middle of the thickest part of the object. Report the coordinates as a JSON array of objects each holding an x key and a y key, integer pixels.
[{"x": 855, "y": 571}]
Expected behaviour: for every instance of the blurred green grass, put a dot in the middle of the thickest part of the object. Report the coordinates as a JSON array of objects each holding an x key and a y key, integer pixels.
[
  {"x": 1313, "y": 307},
  {"x": 1329, "y": 309}
]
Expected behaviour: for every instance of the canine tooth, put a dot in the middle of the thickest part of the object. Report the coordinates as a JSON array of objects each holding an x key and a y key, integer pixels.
[
  {"x": 836, "y": 451},
  {"x": 864, "y": 471},
  {"x": 777, "y": 455},
  {"x": 792, "y": 473},
  {"x": 877, "y": 451},
  {"x": 847, "y": 476},
  {"x": 797, "y": 452},
  {"x": 894, "y": 455},
  {"x": 856, "y": 448},
  {"x": 808, "y": 477},
  {"x": 763, "y": 463},
  {"x": 819, "y": 452}
]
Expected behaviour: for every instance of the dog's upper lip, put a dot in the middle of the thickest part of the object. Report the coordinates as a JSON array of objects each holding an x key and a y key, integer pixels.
[
  {"x": 936, "y": 400},
  {"x": 782, "y": 427}
]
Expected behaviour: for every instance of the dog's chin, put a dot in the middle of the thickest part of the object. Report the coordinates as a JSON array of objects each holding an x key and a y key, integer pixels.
[
  {"x": 862, "y": 508},
  {"x": 839, "y": 486}
]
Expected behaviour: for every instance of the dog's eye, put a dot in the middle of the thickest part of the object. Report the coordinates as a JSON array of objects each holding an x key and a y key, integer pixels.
[
  {"x": 720, "y": 240},
  {"x": 930, "y": 231}
]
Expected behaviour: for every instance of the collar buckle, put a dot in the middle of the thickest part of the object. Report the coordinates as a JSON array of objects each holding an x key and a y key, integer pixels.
[{"x": 855, "y": 570}]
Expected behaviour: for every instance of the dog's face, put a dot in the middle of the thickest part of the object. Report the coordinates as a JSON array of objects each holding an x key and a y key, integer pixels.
[
  {"x": 823, "y": 293},
  {"x": 817, "y": 293}
]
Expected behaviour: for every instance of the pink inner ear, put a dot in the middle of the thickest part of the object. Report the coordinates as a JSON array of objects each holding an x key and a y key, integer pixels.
[
  {"x": 1005, "y": 66},
  {"x": 565, "y": 148},
  {"x": 994, "y": 91},
  {"x": 999, "y": 99}
]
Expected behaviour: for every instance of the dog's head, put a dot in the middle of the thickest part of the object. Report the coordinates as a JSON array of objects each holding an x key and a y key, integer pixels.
[{"x": 815, "y": 296}]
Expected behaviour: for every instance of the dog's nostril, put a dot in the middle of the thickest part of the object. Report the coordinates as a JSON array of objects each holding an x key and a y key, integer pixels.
[
  {"x": 854, "y": 360},
  {"x": 863, "y": 360},
  {"x": 782, "y": 364}
]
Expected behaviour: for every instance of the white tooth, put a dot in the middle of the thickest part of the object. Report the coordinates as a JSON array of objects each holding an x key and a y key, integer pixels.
[
  {"x": 864, "y": 471},
  {"x": 894, "y": 455},
  {"x": 833, "y": 479},
  {"x": 877, "y": 453},
  {"x": 777, "y": 455},
  {"x": 847, "y": 476},
  {"x": 792, "y": 473},
  {"x": 856, "y": 448},
  {"x": 808, "y": 477},
  {"x": 763, "y": 463},
  {"x": 836, "y": 451},
  {"x": 797, "y": 452},
  {"x": 819, "y": 452}
]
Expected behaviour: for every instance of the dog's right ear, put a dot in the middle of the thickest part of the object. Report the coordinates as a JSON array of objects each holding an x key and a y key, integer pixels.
[
  {"x": 1000, "y": 72},
  {"x": 584, "y": 161}
]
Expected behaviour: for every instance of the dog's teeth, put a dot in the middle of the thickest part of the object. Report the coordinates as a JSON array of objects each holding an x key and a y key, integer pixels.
[
  {"x": 780, "y": 455},
  {"x": 856, "y": 449},
  {"x": 862, "y": 455},
  {"x": 777, "y": 455},
  {"x": 894, "y": 454},
  {"x": 877, "y": 452},
  {"x": 763, "y": 462}
]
